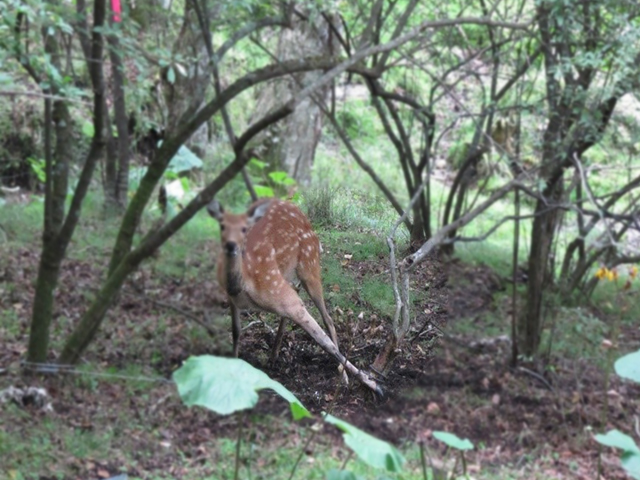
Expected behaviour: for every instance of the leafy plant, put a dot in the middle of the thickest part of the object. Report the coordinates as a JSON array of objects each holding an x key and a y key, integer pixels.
[
  {"x": 626, "y": 367},
  {"x": 229, "y": 385},
  {"x": 271, "y": 184},
  {"x": 630, "y": 458},
  {"x": 38, "y": 167},
  {"x": 370, "y": 449},
  {"x": 629, "y": 366},
  {"x": 455, "y": 442}
]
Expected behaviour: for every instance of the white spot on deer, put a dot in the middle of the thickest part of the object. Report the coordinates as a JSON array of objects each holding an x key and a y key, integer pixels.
[
  {"x": 259, "y": 259},
  {"x": 267, "y": 277}
]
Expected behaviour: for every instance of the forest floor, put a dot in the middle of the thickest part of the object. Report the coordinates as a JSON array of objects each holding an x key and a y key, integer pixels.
[{"x": 537, "y": 421}]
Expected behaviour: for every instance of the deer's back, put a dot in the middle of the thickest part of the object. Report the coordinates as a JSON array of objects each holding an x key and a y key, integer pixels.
[{"x": 279, "y": 243}]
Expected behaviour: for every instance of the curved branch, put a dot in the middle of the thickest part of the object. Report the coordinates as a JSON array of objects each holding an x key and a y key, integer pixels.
[{"x": 247, "y": 30}]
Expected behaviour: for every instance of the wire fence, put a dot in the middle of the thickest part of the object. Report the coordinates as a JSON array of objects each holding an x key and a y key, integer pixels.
[{"x": 57, "y": 369}]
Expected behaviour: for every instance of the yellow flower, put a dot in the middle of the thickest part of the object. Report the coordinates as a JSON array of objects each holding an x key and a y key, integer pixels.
[
  {"x": 601, "y": 273},
  {"x": 633, "y": 272},
  {"x": 612, "y": 275}
]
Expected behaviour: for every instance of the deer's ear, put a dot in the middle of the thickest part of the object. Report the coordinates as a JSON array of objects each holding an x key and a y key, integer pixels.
[
  {"x": 258, "y": 211},
  {"x": 215, "y": 209}
]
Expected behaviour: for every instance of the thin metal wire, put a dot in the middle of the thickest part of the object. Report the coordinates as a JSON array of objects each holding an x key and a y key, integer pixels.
[{"x": 58, "y": 368}]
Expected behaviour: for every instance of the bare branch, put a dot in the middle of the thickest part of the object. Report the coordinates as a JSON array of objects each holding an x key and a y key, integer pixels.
[
  {"x": 410, "y": 262},
  {"x": 245, "y": 31},
  {"x": 26, "y": 93}
]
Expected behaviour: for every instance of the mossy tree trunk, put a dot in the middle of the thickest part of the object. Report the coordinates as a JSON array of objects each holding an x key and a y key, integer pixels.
[
  {"x": 291, "y": 145},
  {"x": 58, "y": 227},
  {"x": 576, "y": 122}
]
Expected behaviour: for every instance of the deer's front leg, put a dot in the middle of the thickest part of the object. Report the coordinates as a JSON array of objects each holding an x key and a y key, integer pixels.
[{"x": 235, "y": 328}]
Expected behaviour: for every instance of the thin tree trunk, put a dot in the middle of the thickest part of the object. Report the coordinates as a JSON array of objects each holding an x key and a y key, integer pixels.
[
  {"x": 58, "y": 228},
  {"x": 542, "y": 235},
  {"x": 120, "y": 116},
  {"x": 58, "y": 121}
]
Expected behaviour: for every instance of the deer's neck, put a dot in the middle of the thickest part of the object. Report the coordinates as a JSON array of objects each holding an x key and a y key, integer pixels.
[{"x": 233, "y": 273}]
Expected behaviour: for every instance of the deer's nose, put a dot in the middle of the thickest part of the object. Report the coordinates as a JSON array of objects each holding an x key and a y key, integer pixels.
[{"x": 231, "y": 249}]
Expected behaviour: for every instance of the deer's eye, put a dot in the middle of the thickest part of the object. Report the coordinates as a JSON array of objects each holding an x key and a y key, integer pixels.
[
  {"x": 221, "y": 227},
  {"x": 244, "y": 229}
]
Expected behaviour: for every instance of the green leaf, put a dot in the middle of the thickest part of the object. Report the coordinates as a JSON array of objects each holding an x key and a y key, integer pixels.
[
  {"x": 278, "y": 177},
  {"x": 87, "y": 129},
  {"x": 226, "y": 385},
  {"x": 629, "y": 366},
  {"x": 257, "y": 163},
  {"x": 617, "y": 439},
  {"x": 453, "y": 441},
  {"x": 373, "y": 451},
  {"x": 631, "y": 463},
  {"x": 171, "y": 75},
  {"x": 262, "y": 191},
  {"x": 39, "y": 168},
  {"x": 183, "y": 161},
  {"x": 335, "y": 474}
]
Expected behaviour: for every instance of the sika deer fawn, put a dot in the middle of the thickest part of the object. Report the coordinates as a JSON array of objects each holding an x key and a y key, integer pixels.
[{"x": 262, "y": 250}]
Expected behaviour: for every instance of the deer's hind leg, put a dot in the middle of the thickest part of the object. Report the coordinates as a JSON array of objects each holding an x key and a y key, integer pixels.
[{"x": 309, "y": 275}]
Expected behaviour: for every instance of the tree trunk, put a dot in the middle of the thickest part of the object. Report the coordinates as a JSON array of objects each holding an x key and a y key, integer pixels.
[
  {"x": 542, "y": 235},
  {"x": 121, "y": 184},
  {"x": 58, "y": 228},
  {"x": 291, "y": 146},
  {"x": 58, "y": 120},
  {"x": 42, "y": 311}
]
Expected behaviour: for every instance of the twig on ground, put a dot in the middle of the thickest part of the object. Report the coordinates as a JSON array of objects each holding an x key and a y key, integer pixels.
[
  {"x": 537, "y": 376},
  {"x": 257, "y": 322}
]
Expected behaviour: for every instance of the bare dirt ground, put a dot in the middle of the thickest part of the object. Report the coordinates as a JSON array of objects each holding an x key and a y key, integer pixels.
[{"x": 532, "y": 420}]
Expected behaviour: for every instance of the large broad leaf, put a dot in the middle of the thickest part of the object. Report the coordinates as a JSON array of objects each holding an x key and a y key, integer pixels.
[
  {"x": 334, "y": 474},
  {"x": 453, "y": 441},
  {"x": 629, "y": 366},
  {"x": 371, "y": 450},
  {"x": 631, "y": 463},
  {"x": 226, "y": 385},
  {"x": 617, "y": 439},
  {"x": 184, "y": 161}
]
